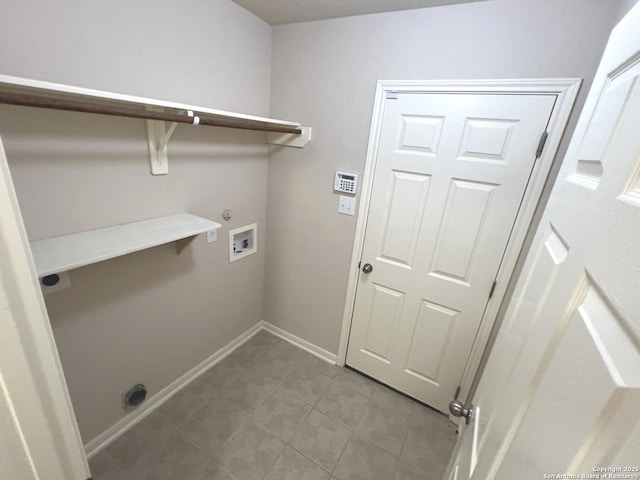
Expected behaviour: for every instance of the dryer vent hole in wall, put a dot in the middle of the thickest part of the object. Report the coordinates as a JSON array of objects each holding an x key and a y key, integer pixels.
[
  {"x": 54, "y": 282},
  {"x": 136, "y": 395},
  {"x": 50, "y": 280}
]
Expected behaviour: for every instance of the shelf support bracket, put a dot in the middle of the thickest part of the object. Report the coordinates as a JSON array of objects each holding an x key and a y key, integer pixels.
[
  {"x": 182, "y": 244},
  {"x": 290, "y": 139},
  {"x": 158, "y": 136},
  {"x": 164, "y": 141}
]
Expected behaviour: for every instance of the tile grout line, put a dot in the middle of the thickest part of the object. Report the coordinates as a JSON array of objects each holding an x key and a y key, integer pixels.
[
  {"x": 178, "y": 428},
  {"x": 333, "y": 379},
  {"x": 277, "y": 458},
  {"x": 371, "y": 400},
  {"x": 255, "y": 353},
  {"x": 122, "y": 472},
  {"x": 202, "y": 450},
  {"x": 342, "y": 453},
  {"x": 403, "y": 445},
  {"x": 310, "y": 459},
  {"x": 280, "y": 387}
]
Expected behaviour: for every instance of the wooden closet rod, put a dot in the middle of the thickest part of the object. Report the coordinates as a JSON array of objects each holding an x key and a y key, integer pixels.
[{"x": 120, "y": 111}]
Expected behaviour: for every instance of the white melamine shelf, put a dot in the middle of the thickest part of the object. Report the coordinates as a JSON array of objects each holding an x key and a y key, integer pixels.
[
  {"x": 59, "y": 254},
  {"x": 162, "y": 117},
  {"x": 23, "y": 91}
]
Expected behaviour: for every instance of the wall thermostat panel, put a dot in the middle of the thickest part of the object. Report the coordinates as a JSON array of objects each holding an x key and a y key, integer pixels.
[{"x": 346, "y": 182}]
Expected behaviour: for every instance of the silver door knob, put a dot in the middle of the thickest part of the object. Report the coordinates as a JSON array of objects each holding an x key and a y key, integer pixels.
[
  {"x": 367, "y": 268},
  {"x": 457, "y": 409}
]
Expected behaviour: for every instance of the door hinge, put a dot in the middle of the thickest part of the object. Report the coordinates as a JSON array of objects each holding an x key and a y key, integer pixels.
[
  {"x": 543, "y": 140},
  {"x": 392, "y": 94},
  {"x": 493, "y": 289}
]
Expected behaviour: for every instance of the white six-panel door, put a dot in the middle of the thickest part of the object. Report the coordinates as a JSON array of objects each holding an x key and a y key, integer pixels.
[
  {"x": 561, "y": 392},
  {"x": 451, "y": 172}
]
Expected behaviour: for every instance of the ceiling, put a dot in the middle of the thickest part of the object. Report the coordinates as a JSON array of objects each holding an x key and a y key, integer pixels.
[{"x": 277, "y": 12}]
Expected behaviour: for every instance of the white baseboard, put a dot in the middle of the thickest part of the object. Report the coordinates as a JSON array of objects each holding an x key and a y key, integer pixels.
[
  {"x": 319, "y": 352},
  {"x": 109, "y": 435},
  {"x": 100, "y": 442}
]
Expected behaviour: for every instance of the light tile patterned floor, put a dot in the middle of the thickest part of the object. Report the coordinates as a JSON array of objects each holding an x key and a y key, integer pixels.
[{"x": 271, "y": 411}]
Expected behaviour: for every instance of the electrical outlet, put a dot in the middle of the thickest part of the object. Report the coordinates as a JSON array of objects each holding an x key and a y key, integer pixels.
[
  {"x": 212, "y": 236},
  {"x": 347, "y": 205}
]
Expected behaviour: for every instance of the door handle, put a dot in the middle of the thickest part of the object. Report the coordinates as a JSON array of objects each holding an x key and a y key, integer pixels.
[
  {"x": 367, "y": 268},
  {"x": 457, "y": 409}
]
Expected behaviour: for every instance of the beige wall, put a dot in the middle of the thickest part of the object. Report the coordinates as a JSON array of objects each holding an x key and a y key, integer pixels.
[
  {"x": 324, "y": 74},
  {"x": 625, "y": 6},
  {"x": 206, "y": 52},
  {"x": 151, "y": 316}
]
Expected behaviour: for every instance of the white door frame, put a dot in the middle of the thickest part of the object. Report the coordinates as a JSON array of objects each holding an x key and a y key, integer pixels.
[
  {"x": 566, "y": 90},
  {"x": 40, "y": 433}
]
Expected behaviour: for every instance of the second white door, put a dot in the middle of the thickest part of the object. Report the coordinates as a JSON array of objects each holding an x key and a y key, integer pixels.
[{"x": 450, "y": 176}]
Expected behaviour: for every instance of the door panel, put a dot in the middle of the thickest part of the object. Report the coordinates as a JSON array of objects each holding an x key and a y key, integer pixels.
[
  {"x": 589, "y": 166},
  {"x": 450, "y": 175},
  {"x": 385, "y": 312},
  {"x": 420, "y": 135},
  {"x": 400, "y": 238},
  {"x": 583, "y": 346},
  {"x": 430, "y": 339},
  {"x": 464, "y": 219},
  {"x": 560, "y": 392},
  {"x": 486, "y": 140}
]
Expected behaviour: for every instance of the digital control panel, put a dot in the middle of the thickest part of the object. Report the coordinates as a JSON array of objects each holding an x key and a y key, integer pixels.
[{"x": 346, "y": 182}]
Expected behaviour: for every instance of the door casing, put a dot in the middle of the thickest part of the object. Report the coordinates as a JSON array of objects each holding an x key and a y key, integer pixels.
[
  {"x": 566, "y": 90},
  {"x": 35, "y": 408}
]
